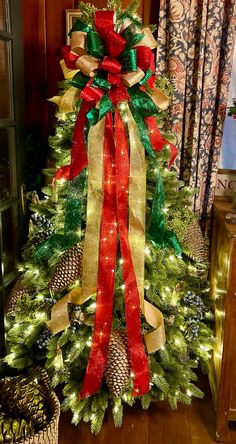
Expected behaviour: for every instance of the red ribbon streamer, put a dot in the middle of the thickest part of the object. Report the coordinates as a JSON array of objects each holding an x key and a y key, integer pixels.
[
  {"x": 106, "y": 274},
  {"x": 138, "y": 357}
]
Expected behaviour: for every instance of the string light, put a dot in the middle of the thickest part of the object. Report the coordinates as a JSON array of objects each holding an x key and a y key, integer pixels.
[
  {"x": 40, "y": 316},
  {"x": 189, "y": 393},
  {"x": 171, "y": 258}
]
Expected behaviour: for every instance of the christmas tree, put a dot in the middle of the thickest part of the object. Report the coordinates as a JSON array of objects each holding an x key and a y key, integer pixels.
[{"x": 113, "y": 294}]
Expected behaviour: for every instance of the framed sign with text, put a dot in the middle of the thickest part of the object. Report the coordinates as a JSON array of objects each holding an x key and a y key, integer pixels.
[{"x": 226, "y": 184}]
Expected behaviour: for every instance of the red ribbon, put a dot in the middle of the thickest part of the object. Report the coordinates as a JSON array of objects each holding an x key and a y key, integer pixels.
[
  {"x": 138, "y": 357},
  {"x": 106, "y": 274},
  {"x": 144, "y": 57}
]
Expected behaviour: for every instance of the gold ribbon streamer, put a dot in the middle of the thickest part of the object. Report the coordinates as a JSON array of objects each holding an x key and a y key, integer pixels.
[
  {"x": 94, "y": 209},
  {"x": 137, "y": 217},
  {"x": 137, "y": 203},
  {"x": 77, "y": 42},
  {"x": 67, "y": 101},
  {"x": 130, "y": 78},
  {"x": 59, "y": 315},
  {"x": 67, "y": 72},
  {"x": 88, "y": 65}
]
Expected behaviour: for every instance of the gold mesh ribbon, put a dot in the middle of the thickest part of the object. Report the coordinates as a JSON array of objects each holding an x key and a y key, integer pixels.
[
  {"x": 67, "y": 101},
  {"x": 88, "y": 65},
  {"x": 131, "y": 78},
  {"x": 67, "y": 72},
  {"x": 137, "y": 203},
  {"x": 77, "y": 42},
  {"x": 59, "y": 315},
  {"x": 94, "y": 209},
  {"x": 148, "y": 39},
  {"x": 160, "y": 99},
  {"x": 137, "y": 216}
]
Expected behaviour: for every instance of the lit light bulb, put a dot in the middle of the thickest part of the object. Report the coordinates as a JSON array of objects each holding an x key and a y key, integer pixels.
[{"x": 189, "y": 393}]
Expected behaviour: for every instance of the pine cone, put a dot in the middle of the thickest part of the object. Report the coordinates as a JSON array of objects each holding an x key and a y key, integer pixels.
[
  {"x": 14, "y": 429},
  {"x": 69, "y": 268},
  {"x": 22, "y": 397},
  {"x": 194, "y": 242},
  {"x": 117, "y": 371},
  {"x": 16, "y": 293}
]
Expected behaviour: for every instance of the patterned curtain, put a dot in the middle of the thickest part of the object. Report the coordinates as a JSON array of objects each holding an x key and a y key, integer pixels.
[{"x": 196, "y": 39}]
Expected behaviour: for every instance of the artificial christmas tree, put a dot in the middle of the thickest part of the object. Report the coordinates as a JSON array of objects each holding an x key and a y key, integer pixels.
[{"x": 119, "y": 309}]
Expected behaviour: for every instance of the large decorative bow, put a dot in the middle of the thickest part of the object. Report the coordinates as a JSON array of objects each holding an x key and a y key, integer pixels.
[{"x": 114, "y": 72}]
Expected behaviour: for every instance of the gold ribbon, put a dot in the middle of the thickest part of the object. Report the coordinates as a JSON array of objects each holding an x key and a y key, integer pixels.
[
  {"x": 154, "y": 317},
  {"x": 148, "y": 39},
  {"x": 94, "y": 209},
  {"x": 130, "y": 78},
  {"x": 67, "y": 101},
  {"x": 67, "y": 72},
  {"x": 88, "y": 65},
  {"x": 137, "y": 203},
  {"x": 160, "y": 99},
  {"x": 78, "y": 42},
  {"x": 59, "y": 315},
  {"x": 137, "y": 217}
]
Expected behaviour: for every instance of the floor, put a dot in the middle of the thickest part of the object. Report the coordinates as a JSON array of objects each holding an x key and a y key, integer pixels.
[{"x": 158, "y": 425}]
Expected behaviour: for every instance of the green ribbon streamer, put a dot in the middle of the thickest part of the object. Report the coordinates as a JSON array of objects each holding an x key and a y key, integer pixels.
[
  {"x": 157, "y": 232},
  {"x": 142, "y": 102},
  {"x": 94, "y": 45},
  {"x": 94, "y": 115},
  {"x": 79, "y": 26},
  {"x": 55, "y": 242},
  {"x": 128, "y": 60},
  {"x": 148, "y": 74},
  {"x": 100, "y": 81}
]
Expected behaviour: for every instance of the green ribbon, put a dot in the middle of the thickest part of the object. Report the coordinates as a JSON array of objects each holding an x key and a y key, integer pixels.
[
  {"x": 142, "y": 102},
  {"x": 79, "y": 80},
  {"x": 100, "y": 81},
  {"x": 148, "y": 74},
  {"x": 94, "y": 45},
  {"x": 157, "y": 232},
  {"x": 131, "y": 36},
  {"x": 128, "y": 60},
  {"x": 79, "y": 26},
  {"x": 94, "y": 115},
  {"x": 55, "y": 242}
]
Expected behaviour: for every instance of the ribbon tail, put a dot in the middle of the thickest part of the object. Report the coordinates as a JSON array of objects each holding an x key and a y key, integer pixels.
[
  {"x": 106, "y": 272},
  {"x": 138, "y": 357}
]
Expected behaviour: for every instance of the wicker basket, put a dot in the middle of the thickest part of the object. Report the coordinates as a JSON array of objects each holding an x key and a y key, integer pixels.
[{"x": 49, "y": 435}]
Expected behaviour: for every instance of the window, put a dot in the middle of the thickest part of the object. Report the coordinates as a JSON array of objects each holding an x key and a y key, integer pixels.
[{"x": 228, "y": 152}]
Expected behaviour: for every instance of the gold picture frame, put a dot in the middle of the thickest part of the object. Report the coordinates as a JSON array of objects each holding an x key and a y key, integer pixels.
[{"x": 71, "y": 16}]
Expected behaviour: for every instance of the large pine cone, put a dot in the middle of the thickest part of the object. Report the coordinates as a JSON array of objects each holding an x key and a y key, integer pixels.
[
  {"x": 14, "y": 429},
  {"x": 194, "y": 242},
  {"x": 22, "y": 397},
  {"x": 16, "y": 293},
  {"x": 117, "y": 371},
  {"x": 68, "y": 269}
]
